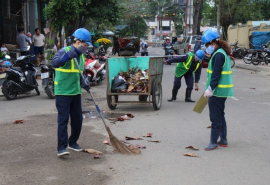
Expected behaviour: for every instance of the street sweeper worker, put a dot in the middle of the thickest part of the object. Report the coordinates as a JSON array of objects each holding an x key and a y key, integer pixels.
[
  {"x": 219, "y": 86},
  {"x": 67, "y": 88},
  {"x": 186, "y": 65}
]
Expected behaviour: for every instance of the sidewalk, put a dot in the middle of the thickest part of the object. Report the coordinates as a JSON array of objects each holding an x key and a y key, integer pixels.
[{"x": 265, "y": 69}]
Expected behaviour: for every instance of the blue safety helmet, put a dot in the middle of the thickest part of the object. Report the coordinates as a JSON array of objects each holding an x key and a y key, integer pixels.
[
  {"x": 200, "y": 54},
  {"x": 209, "y": 35},
  {"x": 83, "y": 35}
]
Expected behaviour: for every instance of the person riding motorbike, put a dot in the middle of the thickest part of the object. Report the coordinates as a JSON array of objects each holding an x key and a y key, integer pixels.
[
  {"x": 219, "y": 86},
  {"x": 186, "y": 65},
  {"x": 167, "y": 45},
  {"x": 67, "y": 84}
]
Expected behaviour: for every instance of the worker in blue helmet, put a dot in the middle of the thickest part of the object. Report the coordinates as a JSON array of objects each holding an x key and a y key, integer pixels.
[
  {"x": 67, "y": 89},
  {"x": 219, "y": 86},
  {"x": 187, "y": 64}
]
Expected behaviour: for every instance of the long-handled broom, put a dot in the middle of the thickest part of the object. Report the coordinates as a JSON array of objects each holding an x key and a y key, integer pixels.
[{"x": 117, "y": 145}]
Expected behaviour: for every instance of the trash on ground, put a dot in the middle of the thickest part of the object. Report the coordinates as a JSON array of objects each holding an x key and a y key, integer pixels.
[
  {"x": 154, "y": 141},
  {"x": 136, "y": 150},
  {"x": 124, "y": 142},
  {"x": 192, "y": 147},
  {"x": 97, "y": 157},
  {"x": 190, "y": 155},
  {"x": 19, "y": 121},
  {"x": 140, "y": 146},
  {"x": 92, "y": 151},
  {"x": 148, "y": 135},
  {"x": 209, "y": 126},
  {"x": 130, "y": 115},
  {"x": 125, "y": 117},
  {"x": 252, "y": 88},
  {"x": 122, "y": 118},
  {"x": 107, "y": 142},
  {"x": 133, "y": 138}
]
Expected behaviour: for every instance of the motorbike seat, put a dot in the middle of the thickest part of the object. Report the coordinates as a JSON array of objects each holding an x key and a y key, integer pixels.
[{"x": 17, "y": 69}]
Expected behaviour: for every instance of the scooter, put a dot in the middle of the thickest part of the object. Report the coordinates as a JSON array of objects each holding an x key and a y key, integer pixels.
[
  {"x": 95, "y": 71},
  {"x": 47, "y": 77},
  {"x": 20, "y": 78},
  {"x": 237, "y": 51}
]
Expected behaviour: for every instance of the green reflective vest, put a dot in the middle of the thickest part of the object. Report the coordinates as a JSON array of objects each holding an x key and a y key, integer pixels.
[
  {"x": 224, "y": 87},
  {"x": 183, "y": 67},
  {"x": 67, "y": 77}
]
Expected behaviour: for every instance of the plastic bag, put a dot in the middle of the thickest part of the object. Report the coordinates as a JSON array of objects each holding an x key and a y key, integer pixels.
[{"x": 118, "y": 84}]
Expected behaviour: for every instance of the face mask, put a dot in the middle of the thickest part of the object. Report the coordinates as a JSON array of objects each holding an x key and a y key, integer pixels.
[
  {"x": 82, "y": 49},
  {"x": 210, "y": 49}
]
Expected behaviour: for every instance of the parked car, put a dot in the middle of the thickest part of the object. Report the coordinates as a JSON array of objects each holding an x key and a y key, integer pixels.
[{"x": 187, "y": 44}]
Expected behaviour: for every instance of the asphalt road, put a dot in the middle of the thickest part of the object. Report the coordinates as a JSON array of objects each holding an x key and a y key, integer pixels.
[{"x": 30, "y": 148}]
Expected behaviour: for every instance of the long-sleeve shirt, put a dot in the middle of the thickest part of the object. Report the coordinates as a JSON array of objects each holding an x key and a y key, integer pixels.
[
  {"x": 217, "y": 64},
  {"x": 197, "y": 46},
  {"x": 192, "y": 68}
]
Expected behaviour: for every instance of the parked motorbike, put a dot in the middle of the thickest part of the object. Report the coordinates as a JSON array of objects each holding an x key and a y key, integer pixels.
[
  {"x": 259, "y": 56},
  {"x": 47, "y": 77},
  {"x": 20, "y": 78},
  {"x": 267, "y": 56},
  {"x": 247, "y": 56},
  {"x": 237, "y": 51},
  {"x": 95, "y": 71}
]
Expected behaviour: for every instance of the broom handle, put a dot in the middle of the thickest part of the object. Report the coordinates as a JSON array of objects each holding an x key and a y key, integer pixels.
[{"x": 97, "y": 108}]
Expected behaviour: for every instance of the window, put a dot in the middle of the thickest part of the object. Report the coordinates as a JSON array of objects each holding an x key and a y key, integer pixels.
[{"x": 166, "y": 28}]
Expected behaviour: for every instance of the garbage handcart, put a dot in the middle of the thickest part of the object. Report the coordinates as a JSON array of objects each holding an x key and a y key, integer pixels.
[{"x": 152, "y": 93}]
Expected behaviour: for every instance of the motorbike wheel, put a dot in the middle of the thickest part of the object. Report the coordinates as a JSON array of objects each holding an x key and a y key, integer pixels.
[
  {"x": 232, "y": 63},
  {"x": 8, "y": 91},
  {"x": 254, "y": 62},
  {"x": 38, "y": 93},
  {"x": 246, "y": 60},
  {"x": 49, "y": 89},
  {"x": 265, "y": 59}
]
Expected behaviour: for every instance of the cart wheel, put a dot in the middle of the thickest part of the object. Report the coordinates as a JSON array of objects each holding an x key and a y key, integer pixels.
[
  {"x": 157, "y": 94},
  {"x": 143, "y": 97},
  {"x": 110, "y": 99}
]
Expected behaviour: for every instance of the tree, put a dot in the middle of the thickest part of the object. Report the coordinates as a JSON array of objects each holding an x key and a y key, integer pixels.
[{"x": 198, "y": 4}]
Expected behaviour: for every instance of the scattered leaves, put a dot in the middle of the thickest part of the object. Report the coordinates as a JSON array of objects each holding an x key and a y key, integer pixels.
[
  {"x": 192, "y": 147},
  {"x": 133, "y": 138},
  {"x": 92, "y": 151},
  {"x": 107, "y": 142},
  {"x": 148, "y": 135},
  {"x": 190, "y": 155},
  {"x": 154, "y": 141},
  {"x": 209, "y": 126},
  {"x": 19, "y": 121},
  {"x": 140, "y": 146},
  {"x": 97, "y": 157}
]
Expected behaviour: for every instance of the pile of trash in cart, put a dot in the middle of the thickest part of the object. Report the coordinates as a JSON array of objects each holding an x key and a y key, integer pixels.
[{"x": 133, "y": 81}]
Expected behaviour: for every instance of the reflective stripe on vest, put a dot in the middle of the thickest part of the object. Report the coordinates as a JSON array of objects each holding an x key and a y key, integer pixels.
[{"x": 223, "y": 72}]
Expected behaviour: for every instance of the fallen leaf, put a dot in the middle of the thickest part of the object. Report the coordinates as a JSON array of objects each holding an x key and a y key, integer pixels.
[
  {"x": 148, "y": 135},
  {"x": 107, "y": 142},
  {"x": 133, "y": 138},
  {"x": 190, "y": 155},
  {"x": 140, "y": 146},
  {"x": 154, "y": 141},
  {"x": 252, "y": 88},
  {"x": 124, "y": 142},
  {"x": 130, "y": 115},
  {"x": 136, "y": 150},
  {"x": 111, "y": 167},
  {"x": 19, "y": 121},
  {"x": 92, "y": 151},
  {"x": 120, "y": 119},
  {"x": 209, "y": 126},
  {"x": 97, "y": 157},
  {"x": 192, "y": 147}
]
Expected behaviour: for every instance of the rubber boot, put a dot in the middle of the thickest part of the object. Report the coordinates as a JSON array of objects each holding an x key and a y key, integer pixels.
[
  {"x": 174, "y": 94},
  {"x": 188, "y": 96},
  {"x": 213, "y": 140},
  {"x": 223, "y": 137}
]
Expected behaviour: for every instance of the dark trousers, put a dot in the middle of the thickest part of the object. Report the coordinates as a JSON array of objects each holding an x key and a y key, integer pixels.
[
  {"x": 189, "y": 81},
  {"x": 68, "y": 106},
  {"x": 24, "y": 53},
  {"x": 144, "y": 53},
  {"x": 217, "y": 114}
]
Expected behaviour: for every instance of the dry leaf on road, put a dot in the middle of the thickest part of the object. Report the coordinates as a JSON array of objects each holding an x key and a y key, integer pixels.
[
  {"x": 252, "y": 88},
  {"x": 107, "y": 142},
  {"x": 136, "y": 150},
  {"x": 97, "y": 157},
  {"x": 19, "y": 121},
  {"x": 130, "y": 115},
  {"x": 209, "y": 126},
  {"x": 140, "y": 146},
  {"x": 192, "y": 147},
  {"x": 148, "y": 135},
  {"x": 92, "y": 151},
  {"x": 190, "y": 155},
  {"x": 133, "y": 138},
  {"x": 124, "y": 142},
  {"x": 154, "y": 141}
]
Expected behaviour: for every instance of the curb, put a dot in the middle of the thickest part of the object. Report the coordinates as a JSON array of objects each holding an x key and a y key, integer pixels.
[{"x": 253, "y": 68}]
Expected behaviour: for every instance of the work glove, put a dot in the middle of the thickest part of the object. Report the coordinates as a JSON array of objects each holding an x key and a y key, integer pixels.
[
  {"x": 196, "y": 87},
  {"x": 208, "y": 93},
  {"x": 85, "y": 84},
  {"x": 72, "y": 53}
]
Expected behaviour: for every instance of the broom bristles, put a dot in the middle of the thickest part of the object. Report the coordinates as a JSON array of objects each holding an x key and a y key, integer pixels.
[{"x": 120, "y": 147}]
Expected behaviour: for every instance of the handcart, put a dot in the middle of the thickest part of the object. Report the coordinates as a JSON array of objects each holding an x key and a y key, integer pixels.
[{"x": 154, "y": 66}]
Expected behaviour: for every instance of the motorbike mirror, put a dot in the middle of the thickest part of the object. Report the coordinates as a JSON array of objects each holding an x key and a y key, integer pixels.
[{"x": 7, "y": 57}]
